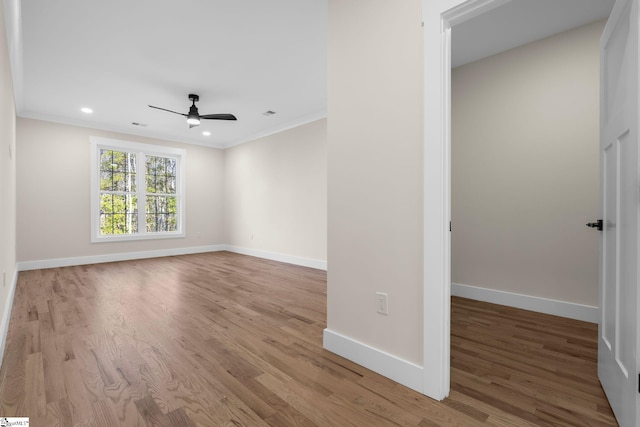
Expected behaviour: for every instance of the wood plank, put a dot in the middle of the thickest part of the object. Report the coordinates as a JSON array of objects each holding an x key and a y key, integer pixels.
[
  {"x": 35, "y": 397},
  {"x": 102, "y": 414},
  {"x": 226, "y": 339}
]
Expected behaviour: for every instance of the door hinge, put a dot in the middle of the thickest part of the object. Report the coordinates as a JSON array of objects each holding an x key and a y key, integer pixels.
[
  {"x": 449, "y": 225},
  {"x": 638, "y": 383}
]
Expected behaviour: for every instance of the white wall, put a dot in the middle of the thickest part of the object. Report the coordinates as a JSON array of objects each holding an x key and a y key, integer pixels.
[
  {"x": 54, "y": 191},
  {"x": 375, "y": 176},
  {"x": 525, "y": 169},
  {"x": 8, "y": 274},
  {"x": 275, "y": 198}
]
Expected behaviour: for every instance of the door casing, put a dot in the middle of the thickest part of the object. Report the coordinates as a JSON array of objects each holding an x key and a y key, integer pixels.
[{"x": 438, "y": 18}]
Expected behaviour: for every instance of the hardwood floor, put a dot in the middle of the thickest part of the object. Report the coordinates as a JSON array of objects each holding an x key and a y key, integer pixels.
[
  {"x": 541, "y": 369},
  {"x": 222, "y": 339}
]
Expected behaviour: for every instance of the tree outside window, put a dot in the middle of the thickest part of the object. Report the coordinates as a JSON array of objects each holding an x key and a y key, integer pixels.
[{"x": 137, "y": 189}]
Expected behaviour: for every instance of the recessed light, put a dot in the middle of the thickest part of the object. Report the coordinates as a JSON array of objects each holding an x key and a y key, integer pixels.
[
  {"x": 206, "y": 133},
  {"x": 86, "y": 110}
]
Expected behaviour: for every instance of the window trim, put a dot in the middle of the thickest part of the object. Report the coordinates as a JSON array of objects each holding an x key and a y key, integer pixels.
[{"x": 141, "y": 150}]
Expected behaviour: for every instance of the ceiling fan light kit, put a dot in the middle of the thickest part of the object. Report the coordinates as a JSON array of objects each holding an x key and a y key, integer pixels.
[{"x": 193, "y": 117}]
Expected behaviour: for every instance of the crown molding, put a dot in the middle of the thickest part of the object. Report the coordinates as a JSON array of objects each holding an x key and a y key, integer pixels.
[{"x": 299, "y": 121}]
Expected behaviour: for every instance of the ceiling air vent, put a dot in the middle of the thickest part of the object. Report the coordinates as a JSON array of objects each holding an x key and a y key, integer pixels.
[
  {"x": 144, "y": 125},
  {"x": 268, "y": 113}
]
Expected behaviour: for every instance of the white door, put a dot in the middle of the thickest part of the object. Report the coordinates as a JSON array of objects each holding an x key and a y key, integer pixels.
[{"x": 618, "y": 328}]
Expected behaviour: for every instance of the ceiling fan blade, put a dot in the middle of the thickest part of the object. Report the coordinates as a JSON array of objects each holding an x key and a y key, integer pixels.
[
  {"x": 164, "y": 109},
  {"x": 218, "y": 117}
]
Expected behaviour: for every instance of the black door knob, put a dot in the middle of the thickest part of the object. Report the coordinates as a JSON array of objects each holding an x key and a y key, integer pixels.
[{"x": 597, "y": 224}]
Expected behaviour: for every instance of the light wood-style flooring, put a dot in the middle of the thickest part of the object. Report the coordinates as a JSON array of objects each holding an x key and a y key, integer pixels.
[{"x": 221, "y": 339}]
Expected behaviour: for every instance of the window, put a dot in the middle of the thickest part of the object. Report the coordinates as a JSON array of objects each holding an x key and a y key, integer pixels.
[
  {"x": 137, "y": 191},
  {"x": 160, "y": 173}
]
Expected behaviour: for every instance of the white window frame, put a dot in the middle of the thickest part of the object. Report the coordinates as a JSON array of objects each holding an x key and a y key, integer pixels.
[{"x": 141, "y": 150}]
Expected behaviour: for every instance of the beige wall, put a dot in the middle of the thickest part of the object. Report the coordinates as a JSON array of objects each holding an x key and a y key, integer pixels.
[
  {"x": 276, "y": 193},
  {"x": 375, "y": 138},
  {"x": 525, "y": 169},
  {"x": 53, "y": 194},
  {"x": 269, "y": 195},
  {"x": 7, "y": 177}
]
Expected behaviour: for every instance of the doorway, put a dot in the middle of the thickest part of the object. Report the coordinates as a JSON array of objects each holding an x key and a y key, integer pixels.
[
  {"x": 439, "y": 18},
  {"x": 524, "y": 174},
  {"x": 524, "y": 181}
]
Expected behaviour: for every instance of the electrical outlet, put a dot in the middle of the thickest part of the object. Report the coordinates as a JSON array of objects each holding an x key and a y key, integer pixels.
[{"x": 383, "y": 303}]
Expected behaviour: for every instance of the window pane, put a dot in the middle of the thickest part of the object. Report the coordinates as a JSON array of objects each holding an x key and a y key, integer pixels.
[
  {"x": 124, "y": 181},
  {"x": 106, "y": 180},
  {"x": 106, "y": 160},
  {"x": 155, "y": 165},
  {"x": 123, "y": 203},
  {"x": 172, "y": 222},
  {"x": 161, "y": 204},
  {"x": 150, "y": 165},
  {"x": 117, "y": 171},
  {"x": 171, "y": 185},
  {"x": 122, "y": 161},
  {"x": 131, "y": 203},
  {"x": 161, "y": 222},
  {"x": 118, "y": 214},
  {"x": 151, "y": 205},
  {"x": 161, "y": 184},
  {"x": 130, "y": 182},
  {"x": 172, "y": 205},
  {"x": 151, "y": 223},
  {"x": 119, "y": 161},
  {"x": 162, "y": 165},
  {"x": 118, "y": 181},
  {"x": 161, "y": 214},
  {"x": 106, "y": 205},
  {"x": 156, "y": 223},
  {"x": 160, "y": 174},
  {"x": 171, "y": 166}
]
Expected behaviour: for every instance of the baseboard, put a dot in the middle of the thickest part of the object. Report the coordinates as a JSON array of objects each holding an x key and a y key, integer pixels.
[
  {"x": 125, "y": 256},
  {"x": 6, "y": 317},
  {"x": 570, "y": 310},
  {"x": 275, "y": 256},
  {"x": 392, "y": 367}
]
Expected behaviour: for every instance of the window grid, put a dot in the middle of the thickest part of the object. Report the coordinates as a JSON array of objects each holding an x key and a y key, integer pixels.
[
  {"x": 118, "y": 214},
  {"x": 118, "y": 199},
  {"x": 127, "y": 199},
  {"x": 161, "y": 203}
]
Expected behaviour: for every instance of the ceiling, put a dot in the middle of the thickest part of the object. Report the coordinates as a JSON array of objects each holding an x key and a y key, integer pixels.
[
  {"x": 519, "y": 22},
  {"x": 243, "y": 57}
]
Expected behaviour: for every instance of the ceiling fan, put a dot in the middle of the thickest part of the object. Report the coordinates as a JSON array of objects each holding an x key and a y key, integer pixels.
[{"x": 193, "y": 118}]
